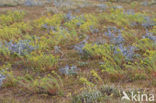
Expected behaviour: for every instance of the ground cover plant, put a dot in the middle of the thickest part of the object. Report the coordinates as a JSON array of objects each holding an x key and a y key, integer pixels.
[{"x": 77, "y": 51}]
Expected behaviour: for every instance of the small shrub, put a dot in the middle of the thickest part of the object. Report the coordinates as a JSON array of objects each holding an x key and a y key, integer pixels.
[
  {"x": 110, "y": 91},
  {"x": 24, "y": 27},
  {"x": 85, "y": 81},
  {"x": 43, "y": 85},
  {"x": 9, "y": 33},
  {"x": 20, "y": 48},
  {"x": 11, "y": 17},
  {"x": 10, "y": 79},
  {"x": 1, "y": 79},
  {"x": 90, "y": 95},
  {"x": 42, "y": 61},
  {"x": 69, "y": 70}
]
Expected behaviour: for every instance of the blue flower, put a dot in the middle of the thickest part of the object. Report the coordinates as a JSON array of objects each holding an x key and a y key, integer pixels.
[
  {"x": 21, "y": 48},
  {"x": 49, "y": 28},
  {"x": 109, "y": 33},
  {"x": 127, "y": 52},
  {"x": 111, "y": 30},
  {"x": 117, "y": 40},
  {"x": 79, "y": 47},
  {"x": 69, "y": 16}
]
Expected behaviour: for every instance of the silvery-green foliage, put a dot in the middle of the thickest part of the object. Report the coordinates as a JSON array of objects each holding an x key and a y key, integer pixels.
[
  {"x": 109, "y": 90},
  {"x": 148, "y": 23},
  {"x": 33, "y": 3},
  {"x": 52, "y": 10},
  {"x": 58, "y": 3},
  {"x": 57, "y": 49},
  {"x": 102, "y": 6},
  {"x": 2, "y": 77},
  {"x": 67, "y": 70},
  {"x": 36, "y": 2},
  {"x": 91, "y": 95},
  {"x": 145, "y": 3},
  {"x": 118, "y": 7}
]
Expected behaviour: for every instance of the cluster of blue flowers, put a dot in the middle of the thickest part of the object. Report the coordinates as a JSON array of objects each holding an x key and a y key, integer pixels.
[
  {"x": 118, "y": 42},
  {"x": 49, "y": 28},
  {"x": 111, "y": 31},
  {"x": 69, "y": 16},
  {"x": 79, "y": 47},
  {"x": 127, "y": 52},
  {"x": 67, "y": 70},
  {"x": 21, "y": 48},
  {"x": 150, "y": 36}
]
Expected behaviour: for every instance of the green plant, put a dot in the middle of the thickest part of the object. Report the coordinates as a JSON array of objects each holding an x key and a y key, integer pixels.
[
  {"x": 9, "y": 33},
  {"x": 106, "y": 54},
  {"x": 24, "y": 27},
  {"x": 11, "y": 17},
  {"x": 50, "y": 84},
  {"x": 42, "y": 61},
  {"x": 145, "y": 44},
  {"x": 85, "y": 81},
  {"x": 108, "y": 90},
  {"x": 89, "y": 95},
  {"x": 90, "y": 20},
  {"x": 120, "y": 18},
  {"x": 11, "y": 80},
  {"x": 54, "y": 20},
  {"x": 74, "y": 23},
  {"x": 95, "y": 75}
]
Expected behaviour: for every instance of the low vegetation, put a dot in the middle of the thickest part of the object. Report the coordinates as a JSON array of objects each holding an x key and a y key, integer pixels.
[{"x": 76, "y": 51}]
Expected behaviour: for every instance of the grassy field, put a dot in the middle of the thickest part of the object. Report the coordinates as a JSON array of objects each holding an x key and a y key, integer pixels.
[{"x": 77, "y": 51}]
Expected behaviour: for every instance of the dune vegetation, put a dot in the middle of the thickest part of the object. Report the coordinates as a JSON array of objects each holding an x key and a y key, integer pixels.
[{"x": 76, "y": 51}]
